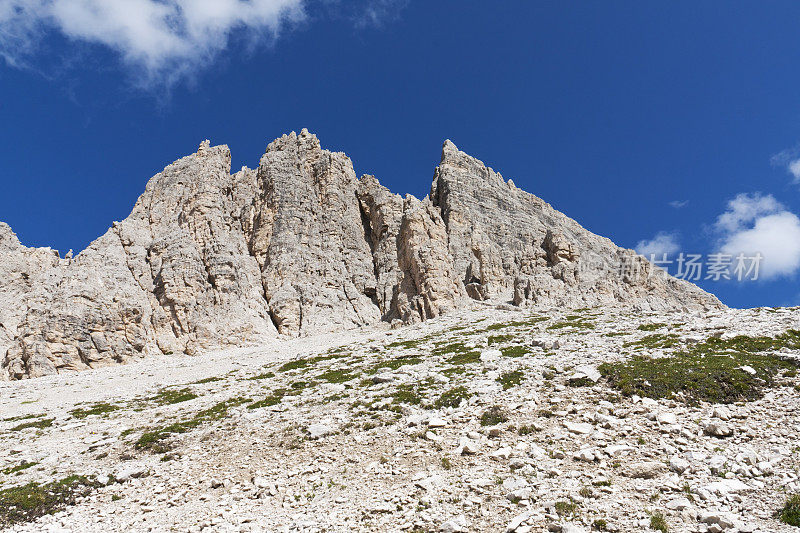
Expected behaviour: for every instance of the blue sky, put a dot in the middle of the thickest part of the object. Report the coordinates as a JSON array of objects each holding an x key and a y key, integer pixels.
[{"x": 670, "y": 126}]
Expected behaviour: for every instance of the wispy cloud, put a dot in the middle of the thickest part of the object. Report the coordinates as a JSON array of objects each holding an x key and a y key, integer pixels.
[
  {"x": 378, "y": 12},
  {"x": 163, "y": 41},
  {"x": 679, "y": 204},
  {"x": 160, "y": 39},
  {"x": 789, "y": 159},
  {"x": 663, "y": 243},
  {"x": 756, "y": 223}
]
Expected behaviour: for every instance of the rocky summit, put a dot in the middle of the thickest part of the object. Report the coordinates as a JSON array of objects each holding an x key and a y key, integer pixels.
[{"x": 210, "y": 259}]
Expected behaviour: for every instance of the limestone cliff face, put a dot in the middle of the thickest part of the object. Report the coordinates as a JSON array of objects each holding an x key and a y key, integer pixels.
[
  {"x": 305, "y": 230},
  {"x": 508, "y": 244},
  {"x": 209, "y": 259}
]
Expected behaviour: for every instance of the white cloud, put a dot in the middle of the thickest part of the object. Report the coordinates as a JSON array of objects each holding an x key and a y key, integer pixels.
[
  {"x": 758, "y": 224},
  {"x": 662, "y": 243},
  {"x": 794, "y": 169},
  {"x": 679, "y": 204},
  {"x": 744, "y": 209},
  {"x": 163, "y": 38},
  {"x": 790, "y": 160}
]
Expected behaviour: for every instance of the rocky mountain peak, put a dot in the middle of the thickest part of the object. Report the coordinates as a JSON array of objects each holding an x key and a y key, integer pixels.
[{"x": 300, "y": 246}]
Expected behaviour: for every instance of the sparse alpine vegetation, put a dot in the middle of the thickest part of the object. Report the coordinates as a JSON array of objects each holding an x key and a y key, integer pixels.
[
  {"x": 716, "y": 370},
  {"x": 790, "y": 514},
  {"x": 28, "y": 502},
  {"x": 99, "y": 408}
]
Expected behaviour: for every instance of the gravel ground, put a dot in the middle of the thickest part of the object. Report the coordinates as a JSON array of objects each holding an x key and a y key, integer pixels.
[{"x": 469, "y": 422}]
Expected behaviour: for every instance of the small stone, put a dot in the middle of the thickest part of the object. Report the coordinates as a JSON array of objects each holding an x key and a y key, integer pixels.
[
  {"x": 491, "y": 355},
  {"x": 261, "y": 482},
  {"x": 679, "y": 465},
  {"x": 502, "y": 453},
  {"x": 667, "y": 419},
  {"x": 749, "y": 369},
  {"x": 129, "y": 472},
  {"x": 722, "y": 412},
  {"x": 516, "y": 522},
  {"x": 645, "y": 470},
  {"x": 585, "y": 372},
  {"x": 436, "y": 422},
  {"x": 572, "y": 528},
  {"x": 455, "y": 525},
  {"x": 580, "y": 428},
  {"x": 727, "y": 486},
  {"x": 467, "y": 446},
  {"x": 718, "y": 429},
  {"x": 433, "y": 437},
  {"x": 585, "y": 455},
  {"x": 679, "y": 504},
  {"x": 316, "y": 431},
  {"x": 494, "y": 431}
]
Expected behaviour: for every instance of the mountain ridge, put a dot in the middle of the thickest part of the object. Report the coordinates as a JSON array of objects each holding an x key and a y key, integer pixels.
[{"x": 301, "y": 245}]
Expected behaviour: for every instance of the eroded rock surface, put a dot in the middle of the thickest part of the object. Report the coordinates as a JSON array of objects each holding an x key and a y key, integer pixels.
[
  {"x": 209, "y": 259},
  {"x": 509, "y": 244}
]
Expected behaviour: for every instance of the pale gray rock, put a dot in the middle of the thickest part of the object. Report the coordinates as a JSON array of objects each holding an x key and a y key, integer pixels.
[
  {"x": 306, "y": 233},
  {"x": 316, "y": 431},
  {"x": 414, "y": 270},
  {"x": 644, "y": 470},
  {"x": 718, "y": 429},
  {"x": 508, "y": 244},
  {"x": 209, "y": 259}
]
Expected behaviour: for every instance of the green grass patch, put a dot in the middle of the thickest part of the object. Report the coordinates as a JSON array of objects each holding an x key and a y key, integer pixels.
[
  {"x": 459, "y": 353},
  {"x": 511, "y": 379},
  {"x": 515, "y": 351},
  {"x": 651, "y": 327},
  {"x": 790, "y": 514},
  {"x": 466, "y": 358},
  {"x": 659, "y": 523},
  {"x": 153, "y": 440},
  {"x": 655, "y": 340},
  {"x": 494, "y": 416},
  {"x": 28, "y": 502},
  {"x": 24, "y": 465},
  {"x": 38, "y": 424},
  {"x": 410, "y": 344},
  {"x": 709, "y": 371},
  {"x": 572, "y": 321},
  {"x": 499, "y": 339},
  {"x": 453, "y": 371},
  {"x": 207, "y": 380},
  {"x": 99, "y": 408},
  {"x": 294, "y": 365},
  {"x": 337, "y": 376},
  {"x": 453, "y": 397},
  {"x": 273, "y": 399},
  {"x": 297, "y": 387},
  {"x": 407, "y": 394},
  {"x": 529, "y": 322},
  {"x": 566, "y": 508},
  {"x": 22, "y": 417},
  {"x": 265, "y": 375},
  {"x": 173, "y": 396},
  {"x": 396, "y": 363}
]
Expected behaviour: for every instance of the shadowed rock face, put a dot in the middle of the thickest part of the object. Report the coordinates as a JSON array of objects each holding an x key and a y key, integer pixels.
[{"x": 209, "y": 259}]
